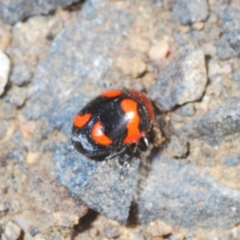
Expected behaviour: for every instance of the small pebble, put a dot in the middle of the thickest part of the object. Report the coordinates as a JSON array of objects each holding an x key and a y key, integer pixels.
[
  {"x": 214, "y": 68},
  {"x": 159, "y": 51},
  {"x": 111, "y": 231},
  {"x": 139, "y": 44},
  {"x": 32, "y": 157},
  {"x": 21, "y": 74},
  {"x": 17, "y": 96},
  {"x": 184, "y": 29},
  {"x": 198, "y": 25},
  {"x": 93, "y": 233},
  {"x": 209, "y": 49},
  {"x": 4, "y": 71},
  {"x": 134, "y": 67},
  {"x": 177, "y": 236},
  {"x": 12, "y": 231},
  {"x": 159, "y": 229},
  {"x": 5, "y": 38},
  {"x": 236, "y": 77},
  {"x": 177, "y": 148}
]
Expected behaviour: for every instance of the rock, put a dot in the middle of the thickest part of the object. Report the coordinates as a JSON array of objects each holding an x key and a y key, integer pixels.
[
  {"x": 186, "y": 110},
  {"x": 57, "y": 208},
  {"x": 180, "y": 194},
  {"x": 79, "y": 67},
  {"x": 16, "y": 96},
  {"x": 75, "y": 70},
  {"x": 236, "y": 77},
  {"x": 198, "y": 25},
  {"x": 209, "y": 49},
  {"x": 234, "y": 40},
  {"x": 177, "y": 147},
  {"x": 29, "y": 45},
  {"x": 93, "y": 233},
  {"x": 159, "y": 51},
  {"x": 232, "y": 161},
  {"x": 5, "y": 37},
  {"x": 230, "y": 19},
  {"x": 21, "y": 74},
  {"x": 139, "y": 44},
  {"x": 12, "y": 231},
  {"x": 17, "y": 10},
  {"x": 215, "y": 69},
  {"x": 4, "y": 71},
  {"x": 97, "y": 183},
  {"x": 229, "y": 44},
  {"x": 159, "y": 229},
  {"x": 183, "y": 80},
  {"x": 111, "y": 231},
  {"x": 134, "y": 67},
  {"x": 217, "y": 125},
  {"x": 190, "y": 11}
]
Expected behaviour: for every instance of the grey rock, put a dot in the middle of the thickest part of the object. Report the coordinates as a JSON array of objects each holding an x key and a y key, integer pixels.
[
  {"x": 30, "y": 45},
  {"x": 229, "y": 44},
  {"x": 234, "y": 40},
  {"x": 217, "y": 125},
  {"x": 177, "y": 147},
  {"x": 74, "y": 71},
  {"x": 236, "y": 77},
  {"x": 12, "y": 231},
  {"x": 21, "y": 74},
  {"x": 230, "y": 19},
  {"x": 183, "y": 80},
  {"x": 232, "y": 161},
  {"x": 180, "y": 194},
  {"x": 224, "y": 50},
  {"x": 111, "y": 231},
  {"x": 79, "y": 66},
  {"x": 16, "y": 96},
  {"x": 97, "y": 183},
  {"x": 186, "y": 110},
  {"x": 190, "y": 11},
  {"x": 17, "y": 10}
]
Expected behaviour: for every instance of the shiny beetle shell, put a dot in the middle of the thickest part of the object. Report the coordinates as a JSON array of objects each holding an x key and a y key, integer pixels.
[{"x": 111, "y": 122}]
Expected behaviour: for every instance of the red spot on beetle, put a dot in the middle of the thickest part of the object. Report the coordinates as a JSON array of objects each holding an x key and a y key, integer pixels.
[
  {"x": 130, "y": 106},
  {"x": 112, "y": 93},
  {"x": 147, "y": 103},
  {"x": 99, "y": 136},
  {"x": 80, "y": 120}
]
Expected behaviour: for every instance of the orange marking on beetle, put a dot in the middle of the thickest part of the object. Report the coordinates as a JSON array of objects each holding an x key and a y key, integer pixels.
[
  {"x": 129, "y": 106},
  {"x": 99, "y": 136},
  {"x": 146, "y": 102},
  {"x": 80, "y": 120},
  {"x": 112, "y": 93}
]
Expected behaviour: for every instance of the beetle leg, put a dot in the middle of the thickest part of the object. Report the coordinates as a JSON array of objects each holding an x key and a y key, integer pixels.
[
  {"x": 145, "y": 140},
  {"x": 115, "y": 154}
]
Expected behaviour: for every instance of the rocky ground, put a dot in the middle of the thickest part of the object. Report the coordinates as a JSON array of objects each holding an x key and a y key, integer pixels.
[{"x": 57, "y": 55}]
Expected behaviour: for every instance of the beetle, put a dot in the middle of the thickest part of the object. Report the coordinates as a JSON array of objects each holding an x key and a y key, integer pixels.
[{"x": 112, "y": 123}]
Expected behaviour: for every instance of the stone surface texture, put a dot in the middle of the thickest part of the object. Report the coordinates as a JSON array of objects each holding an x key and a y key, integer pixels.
[
  {"x": 187, "y": 187},
  {"x": 217, "y": 125},
  {"x": 183, "y": 80},
  {"x": 183, "y": 190},
  {"x": 16, "y": 10},
  {"x": 99, "y": 184},
  {"x": 190, "y": 11},
  {"x": 229, "y": 43}
]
